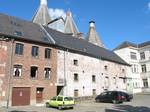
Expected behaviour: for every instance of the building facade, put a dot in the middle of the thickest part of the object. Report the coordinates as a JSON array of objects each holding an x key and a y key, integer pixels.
[
  {"x": 138, "y": 57},
  {"x": 38, "y": 62},
  {"x": 88, "y": 76}
]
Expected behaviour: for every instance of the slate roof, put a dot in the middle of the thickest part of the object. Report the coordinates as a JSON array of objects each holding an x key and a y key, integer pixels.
[
  {"x": 129, "y": 44},
  {"x": 35, "y": 33},
  {"x": 125, "y": 44},
  {"x": 20, "y": 29},
  {"x": 84, "y": 47},
  {"x": 144, "y": 44}
]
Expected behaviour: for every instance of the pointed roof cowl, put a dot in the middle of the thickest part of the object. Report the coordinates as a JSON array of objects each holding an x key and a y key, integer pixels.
[
  {"x": 70, "y": 26},
  {"x": 93, "y": 36},
  {"x": 42, "y": 14}
]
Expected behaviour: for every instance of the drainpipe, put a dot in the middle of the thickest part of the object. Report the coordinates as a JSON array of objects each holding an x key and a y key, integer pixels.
[
  {"x": 65, "y": 68},
  {"x": 10, "y": 72}
]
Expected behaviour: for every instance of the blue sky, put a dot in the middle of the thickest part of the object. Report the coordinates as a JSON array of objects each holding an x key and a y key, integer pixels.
[{"x": 116, "y": 20}]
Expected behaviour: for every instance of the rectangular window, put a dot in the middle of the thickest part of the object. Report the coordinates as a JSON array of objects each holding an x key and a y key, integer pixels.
[
  {"x": 33, "y": 72},
  {"x": 142, "y": 55},
  {"x": 17, "y": 70},
  {"x": 114, "y": 80},
  {"x": 47, "y": 53},
  {"x": 133, "y": 55},
  {"x": 76, "y": 94},
  {"x": 143, "y": 68},
  {"x": 47, "y": 73},
  {"x": 145, "y": 83},
  {"x": 106, "y": 82},
  {"x": 93, "y": 78},
  {"x": 19, "y": 49},
  {"x": 106, "y": 67},
  {"x": 75, "y": 62},
  {"x": 94, "y": 92},
  {"x": 76, "y": 77},
  {"x": 35, "y": 51}
]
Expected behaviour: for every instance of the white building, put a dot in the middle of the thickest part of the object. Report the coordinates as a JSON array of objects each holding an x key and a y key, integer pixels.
[{"x": 138, "y": 57}]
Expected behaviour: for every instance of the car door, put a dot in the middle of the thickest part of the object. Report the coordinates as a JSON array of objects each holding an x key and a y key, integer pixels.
[
  {"x": 60, "y": 100},
  {"x": 103, "y": 97},
  {"x": 68, "y": 101},
  {"x": 108, "y": 96},
  {"x": 53, "y": 102}
]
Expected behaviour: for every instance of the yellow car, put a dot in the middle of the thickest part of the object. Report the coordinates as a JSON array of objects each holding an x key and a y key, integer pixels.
[{"x": 61, "y": 102}]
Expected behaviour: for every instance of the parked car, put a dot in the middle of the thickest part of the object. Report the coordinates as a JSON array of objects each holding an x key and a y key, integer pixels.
[
  {"x": 110, "y": 96},
  {"x": 61, "y": 102},
  {"x": 128, "y": 97}
]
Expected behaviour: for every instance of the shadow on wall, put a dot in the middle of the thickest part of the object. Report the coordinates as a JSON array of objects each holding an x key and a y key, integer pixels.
[{"x": 128, "y": 108}]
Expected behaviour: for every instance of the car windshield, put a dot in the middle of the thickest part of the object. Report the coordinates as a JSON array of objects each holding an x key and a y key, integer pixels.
[
  {"x": 59, "y": 98},
  {"x": 68, "y": 98},
  {"x": 54, "y": 98},
  {"x": 103, "y": 93}
]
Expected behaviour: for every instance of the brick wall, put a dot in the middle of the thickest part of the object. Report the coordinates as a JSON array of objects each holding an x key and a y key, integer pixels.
[{"x": 26, "y": 60}]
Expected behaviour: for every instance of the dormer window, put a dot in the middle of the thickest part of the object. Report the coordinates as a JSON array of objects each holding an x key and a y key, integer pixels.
[{"x": 18, "y": 33}]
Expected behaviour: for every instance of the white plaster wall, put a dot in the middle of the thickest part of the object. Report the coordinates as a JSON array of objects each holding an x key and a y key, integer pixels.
[
  {"x": 136, "y": 77},
  {"x": 88, "y": 66}
]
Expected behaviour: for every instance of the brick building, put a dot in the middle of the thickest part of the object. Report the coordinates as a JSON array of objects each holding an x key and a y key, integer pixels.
[{"x": 28, "y": 63}]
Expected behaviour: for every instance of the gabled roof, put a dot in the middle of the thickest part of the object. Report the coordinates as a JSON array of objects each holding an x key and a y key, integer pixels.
[
  {"x": 42, "y": 14},
  {"x": 70, "y": 26},
  {"x": 42, "y": 34},
  {"x": 20, "y": 29},
  {"x": 93, "y": 36},
  {"x": 57, "y": 24},
  {"x": 129, "y": 44},
  {"x": 125, "y": 44},
  {"x": 144, "y": 44}
]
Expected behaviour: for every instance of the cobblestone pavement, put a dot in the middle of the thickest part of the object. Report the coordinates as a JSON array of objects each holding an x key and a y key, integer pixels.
[{"x": 140, "y": 103}]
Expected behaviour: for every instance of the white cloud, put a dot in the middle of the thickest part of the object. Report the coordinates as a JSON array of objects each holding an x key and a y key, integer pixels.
[
  {"x": 148, "y": 5},
  {"x": 54, "y": 13}
]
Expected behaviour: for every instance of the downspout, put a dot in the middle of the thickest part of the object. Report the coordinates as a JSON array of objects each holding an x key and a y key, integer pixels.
[
  {"x": 10, "y": 76},
  {"x": 65, "y": 78}
]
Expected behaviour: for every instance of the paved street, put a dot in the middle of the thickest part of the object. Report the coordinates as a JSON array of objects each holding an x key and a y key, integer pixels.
[{"x": 141, "y": 103}]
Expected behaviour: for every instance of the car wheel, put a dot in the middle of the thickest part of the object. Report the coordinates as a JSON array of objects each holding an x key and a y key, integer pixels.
[
  {"x": 97, "y": 100},
  {"x": 47, "y": 104},
  {"x": 59, "y": 107},
  {"x": 71, "y": 107},
  {"x": 128, "y": 100},
  {"x": 114, "y": 101}
]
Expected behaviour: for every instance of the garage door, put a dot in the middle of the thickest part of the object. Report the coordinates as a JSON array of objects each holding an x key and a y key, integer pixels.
[{"x": 20, "y": 96}]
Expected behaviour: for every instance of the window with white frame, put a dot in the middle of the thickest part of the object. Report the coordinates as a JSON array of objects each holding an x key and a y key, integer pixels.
[
  {"x": 17, "y": 70},
  {"x": 143, "y": 68},
  {"x": 133, "y": 55},
  {"x": 142, "y": 55},
  {"x": 47, "y": 73}
]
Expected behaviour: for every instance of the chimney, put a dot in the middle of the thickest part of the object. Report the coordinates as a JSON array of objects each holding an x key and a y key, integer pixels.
[
  {"x": 92, "y": 23},
  {"x": 43, "y": 2}
]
